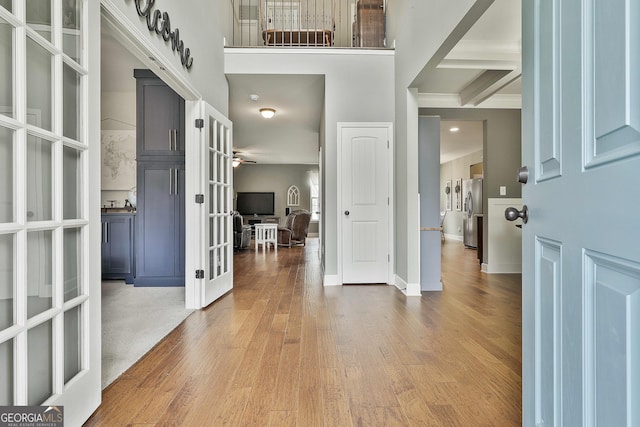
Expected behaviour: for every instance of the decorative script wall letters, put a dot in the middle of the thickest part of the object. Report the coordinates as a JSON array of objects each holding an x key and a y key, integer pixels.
[{"x": 159, "y": 22}]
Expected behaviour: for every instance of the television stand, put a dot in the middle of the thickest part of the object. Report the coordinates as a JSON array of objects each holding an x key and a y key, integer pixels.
[{"x": 262, "y": 219}]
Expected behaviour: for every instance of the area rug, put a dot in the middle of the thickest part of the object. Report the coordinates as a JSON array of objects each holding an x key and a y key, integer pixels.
[{"x": 133, "y": 321}]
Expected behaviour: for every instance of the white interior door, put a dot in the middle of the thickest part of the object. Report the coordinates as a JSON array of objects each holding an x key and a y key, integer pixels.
[
  {"x": 581, "y": 263},
  {"x": 214, "y": 230},
  {"x": 365, "y": 203},
  {"x": 49, "y": 258}
]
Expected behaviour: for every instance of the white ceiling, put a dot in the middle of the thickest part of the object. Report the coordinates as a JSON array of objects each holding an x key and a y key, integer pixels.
[
  {"x": 292, "y": 135},
  {"x": 482, "y": 68},
  {"x": 468, "y": 139}
]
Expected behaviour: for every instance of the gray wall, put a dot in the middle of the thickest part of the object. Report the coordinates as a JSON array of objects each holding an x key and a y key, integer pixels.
[
  {"x": 417, "y": 28},
  {"x": 450, "y": 171},
  {"x": 276, "y": 178},
  {"x": 501, "y": 150}
]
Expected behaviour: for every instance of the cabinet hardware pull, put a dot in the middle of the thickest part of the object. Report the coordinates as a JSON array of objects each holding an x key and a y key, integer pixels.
[
  {"x": 170, "y": 181},
  {"x": 170, "y": 141},
  {"x": 175, "y": 139},
  {"x": 176, "y": 181}
]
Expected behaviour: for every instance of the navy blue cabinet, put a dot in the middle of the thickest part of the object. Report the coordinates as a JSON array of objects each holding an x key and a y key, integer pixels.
[
  {"x": 117, "y": 246},
  {"x": 160, "y": 126},
  {"x": 160, "y": 224}
]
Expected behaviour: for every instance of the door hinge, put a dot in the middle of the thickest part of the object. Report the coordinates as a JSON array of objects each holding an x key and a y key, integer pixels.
[
  {"x": 199, "y": 123},
  {"x": 199, "y": 274},
  {"x": 199, "y": 198},
  {"x": 388, "y": 201},
  {"x": 388, "y": 257},
  {"x": 387, "y": 143}
]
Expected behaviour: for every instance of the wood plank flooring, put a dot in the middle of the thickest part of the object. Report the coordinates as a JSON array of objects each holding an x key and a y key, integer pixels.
[{"x": 282, "y": 350}]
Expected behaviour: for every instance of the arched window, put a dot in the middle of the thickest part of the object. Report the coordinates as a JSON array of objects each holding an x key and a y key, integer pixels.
[{"x": 293, "y": 196}]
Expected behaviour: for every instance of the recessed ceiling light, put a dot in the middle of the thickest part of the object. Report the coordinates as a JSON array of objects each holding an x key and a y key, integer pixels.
[
  {"x": 254, "y": 97},
  {"x": 267, "y": 113},
  {"x": 454, "y": 129}
]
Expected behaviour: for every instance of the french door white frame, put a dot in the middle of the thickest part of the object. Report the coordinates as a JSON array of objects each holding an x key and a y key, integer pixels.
[
  {"x": 201, "y": 291},
  {"x": 132, "y": 38},
  {"x": 340, "y": 210},
  {"x": 80, "y": 394}
]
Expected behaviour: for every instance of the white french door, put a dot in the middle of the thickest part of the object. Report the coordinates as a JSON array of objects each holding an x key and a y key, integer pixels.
[
  {"x": 49, "y": 314},
  {"x": 581, "y": 263},
  {"x": 211, "y": 187}
]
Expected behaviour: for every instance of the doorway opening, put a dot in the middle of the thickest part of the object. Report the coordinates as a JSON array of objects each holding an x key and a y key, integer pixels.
[{"x": 133, "y": 318}]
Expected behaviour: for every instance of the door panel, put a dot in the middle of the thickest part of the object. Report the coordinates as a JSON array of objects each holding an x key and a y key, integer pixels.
[
  {"x": 50, "y": 301},
  {"x": 581, "y": 265},
  {"x": 365, "y": 205},
  {"x": 213, "y": 233}
]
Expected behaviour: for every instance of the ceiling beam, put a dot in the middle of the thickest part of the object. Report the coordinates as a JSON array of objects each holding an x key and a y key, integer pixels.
[
  {"x": 470, "y": 18},
  {"x": 486, "y": 85},
  {"x": 479, "y": 64},
  {"x": 451, "y": 100}
]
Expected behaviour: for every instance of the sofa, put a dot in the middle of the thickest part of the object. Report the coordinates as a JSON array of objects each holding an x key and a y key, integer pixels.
[{"x": 295, "y": 228}]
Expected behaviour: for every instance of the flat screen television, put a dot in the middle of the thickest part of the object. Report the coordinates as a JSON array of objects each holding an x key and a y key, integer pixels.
[{"x": 255, "y": 203}]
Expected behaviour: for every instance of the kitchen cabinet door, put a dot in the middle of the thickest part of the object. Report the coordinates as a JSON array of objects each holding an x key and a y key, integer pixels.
[
  {"x": 117, "y": 246},
  {"x": 160, "y": 224},
  {"x": 160, "y": 119}
]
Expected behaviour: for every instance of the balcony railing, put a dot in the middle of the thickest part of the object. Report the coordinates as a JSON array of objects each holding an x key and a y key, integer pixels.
[{"x": 308, "y": 23}]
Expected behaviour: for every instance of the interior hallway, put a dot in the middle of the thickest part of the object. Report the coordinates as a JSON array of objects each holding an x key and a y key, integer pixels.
[{"x": 283, "y": 350}]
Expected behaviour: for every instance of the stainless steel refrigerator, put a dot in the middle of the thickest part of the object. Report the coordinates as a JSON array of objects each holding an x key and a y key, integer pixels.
[{"x": 471, "y": 207}]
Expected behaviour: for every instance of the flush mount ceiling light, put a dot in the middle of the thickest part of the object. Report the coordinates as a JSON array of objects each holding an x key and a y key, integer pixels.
[
  {"x": 454, "y": 129},
  {"x": 254, "y": 97},
  {"x": 267, "y": 113}
]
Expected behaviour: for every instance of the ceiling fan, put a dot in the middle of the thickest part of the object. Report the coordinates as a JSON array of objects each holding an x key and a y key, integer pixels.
[{"x": 237, "y": 160}]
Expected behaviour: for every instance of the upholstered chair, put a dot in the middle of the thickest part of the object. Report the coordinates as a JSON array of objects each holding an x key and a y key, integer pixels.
[{"x": 295, "y": 228}]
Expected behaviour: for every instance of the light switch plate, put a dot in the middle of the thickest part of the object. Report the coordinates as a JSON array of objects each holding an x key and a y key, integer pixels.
[{"x": 503, "y": 190}]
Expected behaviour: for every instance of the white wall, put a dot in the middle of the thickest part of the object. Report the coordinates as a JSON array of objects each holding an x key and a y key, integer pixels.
[
  {"x": 504, "y": 238},
  {"x": 450, "y": 171},
  {"x": 201, "y": 24},
  {"x": 118, "y": 124},
  {"x": 417, "y": 28},
  {"x": 358, "y": 88}
]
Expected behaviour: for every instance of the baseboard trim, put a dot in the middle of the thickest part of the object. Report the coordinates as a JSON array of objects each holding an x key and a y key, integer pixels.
[
  {"x": 331, "y": 280},
  {"x": 453, "y": 237},
  {"x": 312, "y": 235},
  {"x": 502, "y": 268}
]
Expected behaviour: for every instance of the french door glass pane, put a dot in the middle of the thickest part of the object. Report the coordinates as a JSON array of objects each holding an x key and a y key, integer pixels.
[
  {"x": 71, "y": 28},
  {"x": 39, "y": 65},
  {"x": 72, "y": 263},
  {"x": 39, "y": 16},
  {"x": 39, "y": 271},
  {"x": 71, "y": 103},
  {"x": 6, "y": 373},
  {"x": 71, "y": 343},
  {"x": 71, "y": 183},
  {"x": 6, "y": 175},
  {"x": 6, "y": 69},
  {"x": 212, "y": 231},
  {"x": 39, "y": 179},
  {"x": 7, "y": 5},
  {"x": 6, "y": 281},
  {"x": 39, "y": 364}
]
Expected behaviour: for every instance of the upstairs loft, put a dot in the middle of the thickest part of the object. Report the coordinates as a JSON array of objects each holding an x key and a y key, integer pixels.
[{"x": 307, "y": 23}]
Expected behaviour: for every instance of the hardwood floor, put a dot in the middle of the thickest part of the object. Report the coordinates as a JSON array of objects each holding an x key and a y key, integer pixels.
[{"x": 282, "y": 350}]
